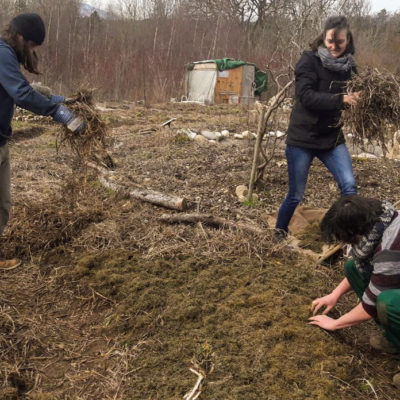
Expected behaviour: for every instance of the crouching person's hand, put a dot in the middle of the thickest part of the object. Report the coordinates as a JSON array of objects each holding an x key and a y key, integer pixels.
[
  {"x": 67, "y": 117},
  {"x": 324, "y": 322},
  {"x": 327, "y": 302}
]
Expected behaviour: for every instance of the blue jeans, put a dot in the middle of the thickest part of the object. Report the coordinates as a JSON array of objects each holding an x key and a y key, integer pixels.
[{"x": 338, "y": 162}]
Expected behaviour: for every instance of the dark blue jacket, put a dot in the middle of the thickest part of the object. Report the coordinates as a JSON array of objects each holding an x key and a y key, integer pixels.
[
  {"x": 314, "y": 121},
  {"x": 15, "y": 89}
]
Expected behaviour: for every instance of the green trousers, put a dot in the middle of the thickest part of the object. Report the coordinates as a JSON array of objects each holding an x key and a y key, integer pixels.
[{"x": 388, "y": 303}]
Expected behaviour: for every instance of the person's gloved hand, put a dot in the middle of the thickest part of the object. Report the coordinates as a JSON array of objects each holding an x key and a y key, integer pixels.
[
  {"x": 68, "y": 118},
  {"x": 47, "y": 92}
]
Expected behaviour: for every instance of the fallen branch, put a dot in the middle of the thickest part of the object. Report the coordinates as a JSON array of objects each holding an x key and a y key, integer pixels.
[
  {"x": 210, "y": 220},
  {"x": 330, "y": 252},
  {"x": 147, "y": 195}
]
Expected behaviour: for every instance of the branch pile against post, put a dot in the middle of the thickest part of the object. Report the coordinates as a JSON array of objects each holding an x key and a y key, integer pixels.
[
  {"x": 257, "y": 169},
  {"x": 147, "y": 195}
]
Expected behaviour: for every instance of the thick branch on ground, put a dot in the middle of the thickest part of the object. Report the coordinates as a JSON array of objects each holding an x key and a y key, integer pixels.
[
  {"x": 330, "y": 252},
  {"x": 147, "y": 195},
  {"x": 210, "y": 220}
]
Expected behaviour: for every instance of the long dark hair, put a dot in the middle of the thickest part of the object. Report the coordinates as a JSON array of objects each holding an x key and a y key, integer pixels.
[
  {"x": 338, "y": 23},
  {"x": 27, "y": 58},
  {"x": 349, "y": 217}
]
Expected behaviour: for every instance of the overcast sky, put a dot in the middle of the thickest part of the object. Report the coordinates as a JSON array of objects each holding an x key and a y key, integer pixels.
[
  {"x": 376, "y": 5},
  {"x": 390, "y": 5}
]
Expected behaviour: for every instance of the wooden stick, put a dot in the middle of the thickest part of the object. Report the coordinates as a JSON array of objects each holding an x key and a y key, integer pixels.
[
  {"x": 329, "y": 253},
  {"x": 265, "y": 114},
  {"x": 195, "y": 392},
  {"x": 260, "y": 134},
  {"x": 210, "y": 220}
]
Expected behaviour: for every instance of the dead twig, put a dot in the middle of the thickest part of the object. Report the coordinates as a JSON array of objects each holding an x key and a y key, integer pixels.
[{"x": 196, "y": 391}]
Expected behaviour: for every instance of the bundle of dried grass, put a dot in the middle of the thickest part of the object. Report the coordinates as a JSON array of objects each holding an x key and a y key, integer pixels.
[
  {"x": 38, "y": 227},
  {"x": 376, "y": 117},
  {"x": 88, "y": 143}
]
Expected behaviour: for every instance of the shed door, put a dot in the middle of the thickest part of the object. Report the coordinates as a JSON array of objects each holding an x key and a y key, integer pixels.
[
  {"x": 228, "y": 87},
  {"x": 247, "y": 93},
  {"x": 201, "y": 85}
]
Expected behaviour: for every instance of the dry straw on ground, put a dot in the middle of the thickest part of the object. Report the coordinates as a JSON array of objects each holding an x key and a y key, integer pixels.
[
  {"x": 377, "y": 115},
  {"x": 113, "y": 303}
]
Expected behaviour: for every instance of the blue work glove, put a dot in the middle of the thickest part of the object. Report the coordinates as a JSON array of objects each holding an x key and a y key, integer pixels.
[
  {"x": 67, "y": 117},
  {"x": 57, "y": 99}
]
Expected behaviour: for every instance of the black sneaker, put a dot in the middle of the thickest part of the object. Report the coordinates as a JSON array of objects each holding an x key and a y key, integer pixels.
[{"x": 280, "y": 235}]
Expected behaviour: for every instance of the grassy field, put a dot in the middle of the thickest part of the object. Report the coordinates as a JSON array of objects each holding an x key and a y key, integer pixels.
[{"x": 113, "y": 303}]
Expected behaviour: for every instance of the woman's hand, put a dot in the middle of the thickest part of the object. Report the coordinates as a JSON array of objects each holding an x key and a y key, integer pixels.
[
  {"x": 323, "y": 322},
  {"x": 352, "y": 98},
  {"x": 329, "y": 301}
]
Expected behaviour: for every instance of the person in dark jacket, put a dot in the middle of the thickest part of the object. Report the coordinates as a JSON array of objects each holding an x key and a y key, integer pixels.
[
  {"x": 17, "y": 47},
  {"x": 372, "y": 227},
  {"x": 314, "y": 129}
]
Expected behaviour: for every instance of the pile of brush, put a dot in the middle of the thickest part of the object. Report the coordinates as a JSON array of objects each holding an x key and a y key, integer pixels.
[
  {"x": 376, "y": 117},
  {"x": 90, "y": 143},
  {"x": 39, "y": 226}
]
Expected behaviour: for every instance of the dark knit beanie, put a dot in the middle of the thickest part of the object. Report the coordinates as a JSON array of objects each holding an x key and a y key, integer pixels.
[{"x": 30, "y": 26}]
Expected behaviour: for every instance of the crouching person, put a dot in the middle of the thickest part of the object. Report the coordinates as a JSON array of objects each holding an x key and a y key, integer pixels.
[
  {"x": 372, "y": 228},
  {"x": 17, "y": 47}
]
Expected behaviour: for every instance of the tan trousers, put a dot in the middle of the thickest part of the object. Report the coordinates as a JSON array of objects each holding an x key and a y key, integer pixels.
[{"x": 5, "y": 196}]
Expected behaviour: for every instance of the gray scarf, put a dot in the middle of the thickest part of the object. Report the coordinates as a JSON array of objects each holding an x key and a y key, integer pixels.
[
  {"x": 363, "y": 251},
  {"x": 343, "y": 63}
]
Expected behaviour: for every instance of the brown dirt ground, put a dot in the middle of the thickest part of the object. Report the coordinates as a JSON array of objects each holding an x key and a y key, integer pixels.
[{"x": 110, "y": 303}]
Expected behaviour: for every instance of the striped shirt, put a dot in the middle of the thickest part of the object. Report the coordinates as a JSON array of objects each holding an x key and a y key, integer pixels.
[{"x": 386, "y": 266}]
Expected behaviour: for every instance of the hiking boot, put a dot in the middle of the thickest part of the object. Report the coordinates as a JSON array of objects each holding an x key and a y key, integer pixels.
[
  {"x": 379, "y": 342},
  {"x": 7, "y": 265},
  {"x": 280, "y": 236},
  {"x": 396, "y": 380},
  {"x": 282, "y": 240}
]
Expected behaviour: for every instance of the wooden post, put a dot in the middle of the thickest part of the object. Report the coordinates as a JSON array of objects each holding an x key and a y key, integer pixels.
[
  {"x": 265, "y": 114},
  {"x": 260, "y": 134}
]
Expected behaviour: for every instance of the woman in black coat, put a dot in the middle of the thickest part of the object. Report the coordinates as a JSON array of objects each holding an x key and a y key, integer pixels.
[{"x": 314, "y": 129}]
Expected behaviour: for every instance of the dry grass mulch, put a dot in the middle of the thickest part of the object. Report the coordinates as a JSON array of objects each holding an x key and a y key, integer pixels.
[{"x": 117, "y": 305}]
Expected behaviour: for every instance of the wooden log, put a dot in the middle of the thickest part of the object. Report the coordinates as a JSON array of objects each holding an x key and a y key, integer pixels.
[
  {"x": 147, "y": 195},
  {"x": 210, "y": 220}
]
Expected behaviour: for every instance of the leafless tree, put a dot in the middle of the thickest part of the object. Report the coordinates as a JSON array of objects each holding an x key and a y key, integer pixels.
[{"x": 140, "y": 48}]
